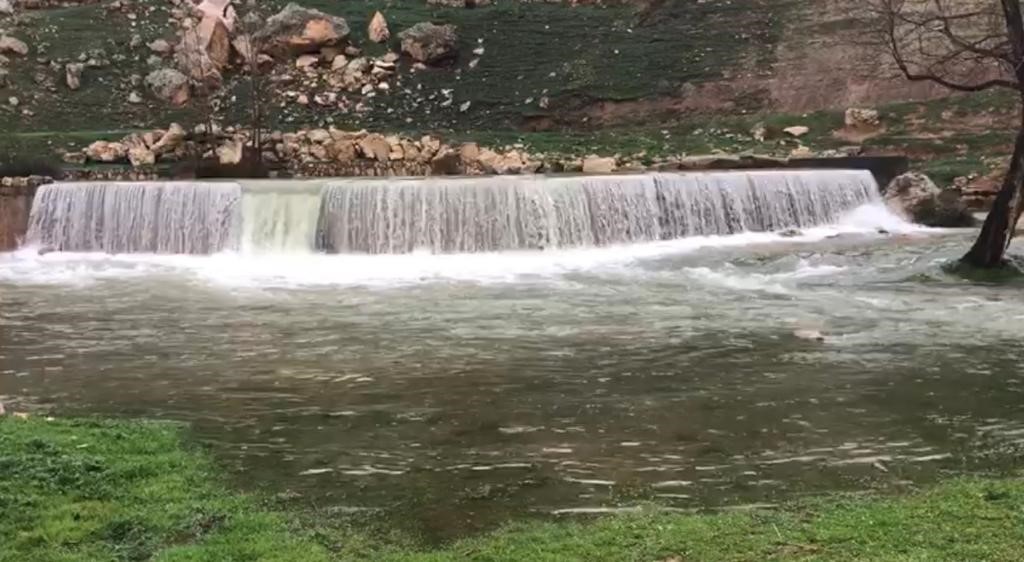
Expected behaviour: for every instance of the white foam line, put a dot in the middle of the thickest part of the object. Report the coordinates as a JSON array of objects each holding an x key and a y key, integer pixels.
[{"x": 26, "y": 266}]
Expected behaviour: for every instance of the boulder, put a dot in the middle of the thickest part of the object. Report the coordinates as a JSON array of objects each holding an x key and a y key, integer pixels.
[
  {"x": 13, "y": 45},
  {"x": 319, "y": 136},
  {"x": 140, "y": 156},
  {"x": 378, "y": 29},
  {"x": 215, "y": 40},
  {"x": 859, "y": 118},
  {"x": 375, "y": 147},
  {"x": 221, "y": 10},
  {"x": 342, "y": 151},
  {"x": 170, "y": 141},
  {"x": 598, "y": 165},
  {"x": 6, "y": 9},
  {"x": 469, "y": 152},
  {"x": 230, "y": 152},
  {"x": 916, "y": 197},
  {"x": 796, "y": 131},
  {"x": 169, "y": 85},
  {"x": 446, "y": 162},
  {"x": 76, "y": 158},
  {"x": 104, "y": 151},
  {"x": 296, "y": 30},
  {"x": 161, "y": 47},
  {"x": 243, "y": 46},
  {"x": 306, "y": 62},
  {"x": 429, "y": 43},
  {"x": 73, "y": 75}
]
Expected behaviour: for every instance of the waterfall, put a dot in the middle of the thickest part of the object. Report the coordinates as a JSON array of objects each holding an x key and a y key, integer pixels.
[
  {"x": 447, "y": 215},
  {"x": 440, "y": 215},
  {"x": 763, "y": 201},
  {"x": 145, "y": 217},
  {"x": 279, "y": 216}
]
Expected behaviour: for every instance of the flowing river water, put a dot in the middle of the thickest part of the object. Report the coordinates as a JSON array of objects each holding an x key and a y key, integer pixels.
[{"x": 459, "y": 391}]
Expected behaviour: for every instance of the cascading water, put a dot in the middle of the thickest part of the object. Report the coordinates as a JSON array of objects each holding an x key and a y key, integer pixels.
[
  {"x": 441, "y": 215},
  {"x": 491, "y": 214},
  {"x": 764, "y": 201},
  {"x": 279, "y": 216},
  {"x": 150, "y": 217}
]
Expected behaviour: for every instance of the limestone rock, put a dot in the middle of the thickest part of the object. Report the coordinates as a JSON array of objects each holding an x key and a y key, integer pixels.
[
  {"x": 319, "y": 136},
  {"x": 73, "y": 75},
  {"x": 243, "y": 46},
  {"x": 135, "y": 98},
  {"x": 297, "y": 30},
  {"x": 169, "y": 85},
  {"x": 161, "y": 47},
  {"x": 339, "y": 62},
  {"x": 446, "y": 162},
  {"x": 77, "y": 158},
  {"x": 343, "y": 151},
  {"x": 430, "y": 147},
  {"x": 306, "y": 62},
  {"x": 230, "y": 152},
  {"x": 140, "y": 156},
  {"x": 6, "y": 9},
  {"x": 170, "y": 141},
  {"x": 796, "y": 131},
  {"x": 429, "y": 43},
  {"x": 469, "y": 152},
  {"x": 375, "y": 146},
  {"x": 13, "y": 45},
  {"x": 916, "y": 197},
  {"x": 104, "y": 151},
  {"x": 801, "y": 152},
  {"x": 221, "y": 10},
  {"x": 378, "y": 29},
  {"x": 215, "y": 40},
  {"x": 598, "y": 165},
  {"x": 858, "y": 118}
]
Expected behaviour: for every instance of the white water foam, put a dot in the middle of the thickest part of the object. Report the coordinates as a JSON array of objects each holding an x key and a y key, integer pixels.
[{"x": 26, "y": 266}]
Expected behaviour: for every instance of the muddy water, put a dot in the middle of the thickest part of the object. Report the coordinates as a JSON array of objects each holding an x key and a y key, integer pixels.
[{"x": 460, "y": 391}]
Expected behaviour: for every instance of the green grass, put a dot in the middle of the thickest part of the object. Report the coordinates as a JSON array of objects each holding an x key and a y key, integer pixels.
[
  {"x": 94, "y": 490},
  {"x": 91, "y": 490}
]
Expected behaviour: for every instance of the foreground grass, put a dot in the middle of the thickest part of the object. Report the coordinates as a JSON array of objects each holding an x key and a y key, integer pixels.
[{"x": 99, "y": 490}]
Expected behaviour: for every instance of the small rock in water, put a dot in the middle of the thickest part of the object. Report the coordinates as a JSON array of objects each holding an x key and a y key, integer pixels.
[
  {"x": 135, "y": 97},
  {"x": 813, "y": 335},
  {"x": 790, "y": 233}
]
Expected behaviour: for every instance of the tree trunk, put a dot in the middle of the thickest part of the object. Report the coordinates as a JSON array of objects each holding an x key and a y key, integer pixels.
[{"x": 996, "y": 234}]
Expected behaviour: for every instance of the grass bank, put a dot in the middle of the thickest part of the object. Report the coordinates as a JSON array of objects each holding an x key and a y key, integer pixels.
[{"x": 90, "y": 490}]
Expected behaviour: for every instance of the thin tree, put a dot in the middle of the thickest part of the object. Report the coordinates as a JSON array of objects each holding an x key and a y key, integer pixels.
[
  {"x": 966, "y": 46},
  {"x": 253, "y": 74}
]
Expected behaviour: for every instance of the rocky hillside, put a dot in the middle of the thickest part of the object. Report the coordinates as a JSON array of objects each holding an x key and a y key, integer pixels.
[
  {"x": 633, "y": 77},
  {"x": 518, "y": 65}
]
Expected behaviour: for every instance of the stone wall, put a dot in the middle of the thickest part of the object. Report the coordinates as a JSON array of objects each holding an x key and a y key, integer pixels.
[{"x": 15, "y": 204}]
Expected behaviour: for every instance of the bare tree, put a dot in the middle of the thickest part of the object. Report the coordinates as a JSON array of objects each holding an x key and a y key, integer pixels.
[
  {"x": 249, "y": 45},
  {"x": 966, "y": 46}
]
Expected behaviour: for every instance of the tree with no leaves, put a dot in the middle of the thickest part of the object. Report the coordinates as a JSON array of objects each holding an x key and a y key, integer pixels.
[{"x": 966, "y": 46}]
